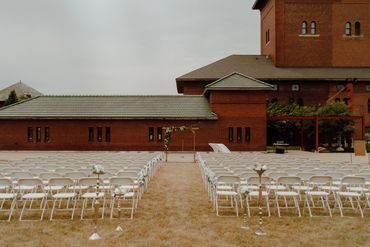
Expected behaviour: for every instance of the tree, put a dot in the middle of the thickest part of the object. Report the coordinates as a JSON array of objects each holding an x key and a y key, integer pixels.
[{"x": 12, "y": 98}]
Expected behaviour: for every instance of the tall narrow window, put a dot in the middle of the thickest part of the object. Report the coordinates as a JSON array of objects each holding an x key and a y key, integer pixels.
[
  {"x": 368, "y": 105},
  {"x": 30, "y": 134},
  {"x": 247, "y": 135},
  {"x": 99, "y": 132},
  {"x": 38, "y": 134},
  {"x": 231, "y": 134},
  {"x": 304, "y": 27},
  {"x": 348, "y": 30},
  {"x": 46, "y": 134},
  {"x": 267, "y": 36},
  {"x": 313, "y": 27},
  {"x": 159, "y": 134},
  {"x": 239, "y": 137},
  {"x": 107, "y": 134},
  {"x": 295, "y": 87},
  {"x": 357, "y": 28},
  {"x": 151, "y": 134},
  {"x": 91, "y": 134}
]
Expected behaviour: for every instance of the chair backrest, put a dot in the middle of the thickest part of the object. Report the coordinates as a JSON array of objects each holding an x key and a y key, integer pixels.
[
  {"x": 335, "y": 175},
  {"x": 320, "y": 179},
  {"x": 305, "y": 175},
  {"x": 255, "y": 180},
  {"x": 17, "y": 175},
  {"x": 61, "y": 181},
  {"x": 119, "y": 181},
  {"x": 228, "y": 179},
  {"x": 37, "y": 171},
  {"x": 6, "y": 183},
  {"x": 127, "y": 174},
  {"x": 47, "y": 175},
  {"x": 353, "y": 180},
  {"x": 247, "y": 175},
  {"x": 90, "y": 181},
  {"x": 276, "y": 175},
  {"x": 366, "y": 170},
  {"x": 30, "y": 182},
  {"x": 289, "y": 180},
  {"x": 64, "y": 170},
  {"x": 75, "y": 175}
]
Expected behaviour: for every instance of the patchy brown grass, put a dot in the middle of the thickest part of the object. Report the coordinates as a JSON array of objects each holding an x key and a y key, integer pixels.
[{"x": 175, "y": 211}]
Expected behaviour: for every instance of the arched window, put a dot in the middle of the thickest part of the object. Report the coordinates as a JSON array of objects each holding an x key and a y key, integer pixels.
[
  {"x": 348, "y": 30},
  {"x": 304, "y": 27},
  {"x": 357, "y": 28},
  {"x": 313, "y": 27}
]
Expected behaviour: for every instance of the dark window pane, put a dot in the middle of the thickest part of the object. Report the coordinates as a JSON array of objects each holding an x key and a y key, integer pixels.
[
  {"x": 99, "y": 132},
  {"x": 159, "y": 134},
  {"x": 30, "y": 134},
  {"x": 151, "y": 134},
  {"x": 91, "y": 134},
  {"x": 357, "y": 28},
  {"x": 46, "y": 134},
  {"x": 239, "y": 134},
  {"x": 231, "y": 134},
  {"x": 38, "y": 134},
  {"x": 368, "y": 105},
  {"x": 247, "y": 134},
  {"x": 107, "y": 134}
]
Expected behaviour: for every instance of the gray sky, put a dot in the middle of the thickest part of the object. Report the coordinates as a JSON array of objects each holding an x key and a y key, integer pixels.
[{"x": 119, "y": 46}]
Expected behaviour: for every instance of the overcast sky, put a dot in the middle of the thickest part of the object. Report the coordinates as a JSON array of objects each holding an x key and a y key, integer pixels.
[{"x": 119, "y": 46}]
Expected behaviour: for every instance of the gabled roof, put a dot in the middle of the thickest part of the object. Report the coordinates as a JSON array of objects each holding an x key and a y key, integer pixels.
[
  {"x": 262, "y": 68},
  {"x": 238, "y": 81},
  {"x": 111, "y": 107},
  {"x": 21, "y": 89}
]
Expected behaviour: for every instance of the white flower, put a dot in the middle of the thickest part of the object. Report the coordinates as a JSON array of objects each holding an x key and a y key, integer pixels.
[{"x": 98, "y": 169}]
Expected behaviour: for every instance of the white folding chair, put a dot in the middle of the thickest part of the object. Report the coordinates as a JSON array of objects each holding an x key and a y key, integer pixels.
[
  {"x": 287, "y": 194},
  {"x": 65, "y": 192},
  {"x": 253, "y": 188},
  {"x": 7, "y": 195},
  {"x": 352, "y": 189},
  {"x": 315, "y": 182},
  {"x": 37, "y": 193},
  {"x": 227, "y": 188},
  {"x": 89, "y": 191},
  {"x": 126, "y": 189}
]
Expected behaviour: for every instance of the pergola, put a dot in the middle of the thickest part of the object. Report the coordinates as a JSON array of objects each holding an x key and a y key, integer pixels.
[{"x": 317, "y": 118}]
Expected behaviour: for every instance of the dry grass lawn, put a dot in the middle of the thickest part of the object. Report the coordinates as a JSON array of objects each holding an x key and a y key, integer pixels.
[{"x": 175, "y": 211}]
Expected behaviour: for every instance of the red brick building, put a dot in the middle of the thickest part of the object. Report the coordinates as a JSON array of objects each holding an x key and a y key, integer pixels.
[{"x": 311, "y": 50}]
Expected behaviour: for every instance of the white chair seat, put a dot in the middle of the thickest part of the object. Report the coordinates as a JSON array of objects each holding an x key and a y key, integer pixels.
[
  {"x": 358, "y": 189},
  {"x": 128, "y": 187},
  {"x": 256, "y": 193},
  {"x": 53, "y": 187},
  {"x": 249, "y": 187},
  {"x": 276, "y": 187},
  {"x": 332, "y": 188},
  {"x": 287, "y": 193},
  {"x": 7, "y": 195},
  {"x": 224, "y": 187},
  {"x": 348, "y": 194},
  {"x": 34, "y": 195},
  {"x": 64, "y": 195},
  {"x": 226, "y": 193},
  {"x": 301, "y": 187},
  {"x": 317, "y": 193},
  {"x": 129, "y": 194},
  {"x": 93, "y": 195},
  {"x": 25, "y": 187}
]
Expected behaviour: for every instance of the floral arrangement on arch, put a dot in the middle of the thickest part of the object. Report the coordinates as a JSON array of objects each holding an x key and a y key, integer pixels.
[{"x": 169, "y": 130}]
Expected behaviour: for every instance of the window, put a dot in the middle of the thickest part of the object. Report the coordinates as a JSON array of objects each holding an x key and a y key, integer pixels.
[
  {"x": 247, "y": 135},
  {"x": 357, "y": 28},
  {"x": 159, "y": 134},
  {"x": 99, "y": 132},
  {"x": 38, "y": 134},
  {"x": 231, "y": 134},
  {"x": 368, "y": 87},
  {"x": 267, "y": 39},
  {"x": 300, "y": 101},
  {"x": 275, "y": 87},
  {"x": 348, "y": 30},
  {"x": 91, "y": 134},
  {"x": 239, "y": 135},
  {"x": 46, "y": 134},
  {"x": 313, "y": 27},
  {"x": 151, "y": 134},
  {"x": 107, "y": 134},
  {"x": 30, "y": 134},
  {"x": 304, "y": 28},
  {"x": 295, "y": 87},
  {"x": 339, "y": 87},
  {"x": 368, "y": 105}
]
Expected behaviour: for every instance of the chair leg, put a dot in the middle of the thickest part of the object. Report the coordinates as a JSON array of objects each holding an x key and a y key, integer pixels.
[
  {"x": 112, "y": 207},
  {"x": 24, "y": 206},
  {"x": 74, "y": 208},
  {"x": 277, "y": 205},
  {"x": 327, "y": 204},
  {"x": 268, "y": 206},
  {"x": 132, "y": 207},
  {"x": 52, "y": 210}
]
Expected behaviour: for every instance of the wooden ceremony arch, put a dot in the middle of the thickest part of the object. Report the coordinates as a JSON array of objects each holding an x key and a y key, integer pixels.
[{"x": 167, "y": 137}]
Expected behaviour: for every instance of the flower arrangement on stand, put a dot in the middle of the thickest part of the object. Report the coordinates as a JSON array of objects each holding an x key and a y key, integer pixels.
[
  {"x": 97, "y": 170},
  {"x": 260, "y": 169}
]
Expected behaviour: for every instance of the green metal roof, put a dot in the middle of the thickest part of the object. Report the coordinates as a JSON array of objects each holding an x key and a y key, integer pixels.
[
  {"x": 111, "y": 107},
  {"x": 238, "y": 81},
  {"x": 262, "y": 68}
]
